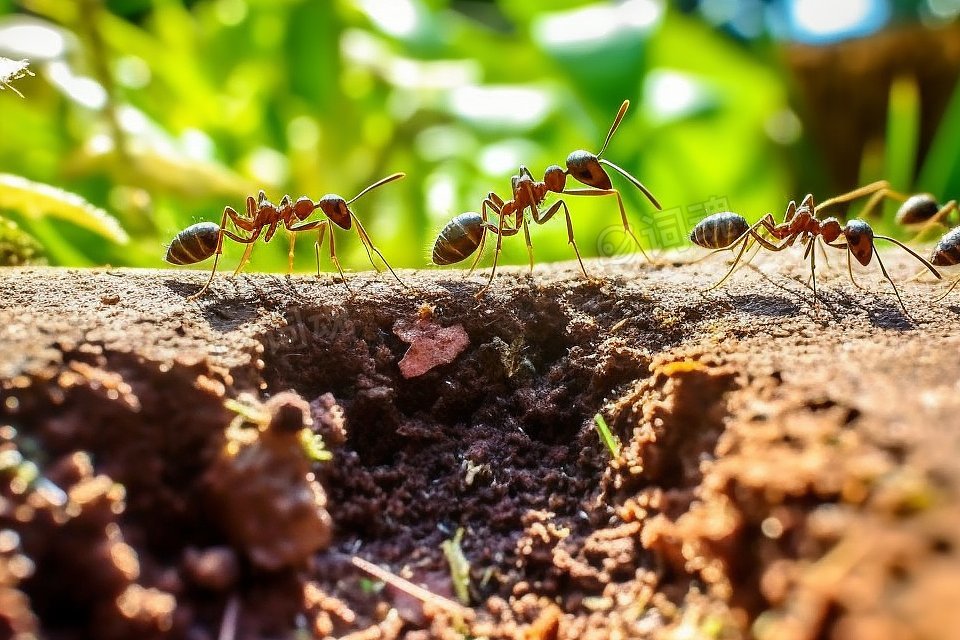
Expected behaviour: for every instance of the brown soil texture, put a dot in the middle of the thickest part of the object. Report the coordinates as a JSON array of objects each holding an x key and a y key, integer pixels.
[{"x": 788, "y": 470}]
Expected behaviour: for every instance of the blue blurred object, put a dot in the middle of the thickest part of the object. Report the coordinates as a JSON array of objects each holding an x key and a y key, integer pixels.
[{"x": 827, "y": 21}]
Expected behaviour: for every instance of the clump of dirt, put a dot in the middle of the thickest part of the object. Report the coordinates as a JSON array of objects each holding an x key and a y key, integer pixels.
[
  {"x": 140, "y": 499},
  {"x": 173, "y": 470}
]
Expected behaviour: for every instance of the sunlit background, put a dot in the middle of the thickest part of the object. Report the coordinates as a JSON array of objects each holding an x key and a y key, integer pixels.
[{"x": 161, "y": 112}]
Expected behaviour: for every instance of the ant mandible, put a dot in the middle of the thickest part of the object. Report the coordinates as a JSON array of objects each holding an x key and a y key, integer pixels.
[
  {"x": 204, "y": 239},
  {"x": 467, "y": 233},
  {"x": 726, "y": 230}
]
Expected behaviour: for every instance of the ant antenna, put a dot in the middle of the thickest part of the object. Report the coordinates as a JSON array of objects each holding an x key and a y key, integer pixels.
[
  {"x": 613, "y": 127},
  {"x": 636, "y": 182},
  {"x": 378, "y": 183},
  {"x": 911, "y": 252},
  {"x": 621, "y": 171}
]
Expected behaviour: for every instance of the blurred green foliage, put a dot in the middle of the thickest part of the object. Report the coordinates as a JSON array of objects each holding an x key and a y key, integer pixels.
[{"x": 164, "y": 111}]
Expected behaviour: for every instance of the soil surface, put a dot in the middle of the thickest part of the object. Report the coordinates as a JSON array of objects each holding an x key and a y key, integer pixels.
[{"x": 787, "y": 470}]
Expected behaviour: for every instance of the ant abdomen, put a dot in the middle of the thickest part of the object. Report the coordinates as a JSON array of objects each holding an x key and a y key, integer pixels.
[
  {"x": 458, "y": 239},
  {"x": 947, "y": 251},
  {"x": 917, "y": 209},
  {"x": 194, "y": 244},
  {"x": 719, "y": 230}
]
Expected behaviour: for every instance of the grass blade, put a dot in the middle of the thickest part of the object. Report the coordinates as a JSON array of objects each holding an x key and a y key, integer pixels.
[
  {"x": 611, "y": 441},
  {"x": 35, "y": 200},
  {"x": 940, "y": 174},
  {"x": 903, "y": 132}
]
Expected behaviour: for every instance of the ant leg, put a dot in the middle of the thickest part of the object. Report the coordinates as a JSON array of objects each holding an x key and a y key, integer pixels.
[
  {"x": 227, "y": 212},
  {"x": 336, "y": 261},
  {"x": 293, "y": 239},
  {"x": 488, "y": 202},
  {"x": 542, "y": 218},
  {"x": 241, "y": 222},
  {"x": 321, "y": 234},
  {"x": 526, "y": 236},
  {"x": 370, "y": 255},
  {"x": 623, "y": 212},
  {"x": 533, "y": 212},
  {"x": 243, "y": 259},
  {"x": 880, "y": 185},
  {"x": 952, "y": 287},
  {"x": 823, "y": 252},
  {"x": 272, "y": 229},
  {"x": 293, "y": 229},
  {"x": 892, "y": 284},
  {"x": 850, "y": 270},
  {"x": 789, "y": 212},
  {"x": 368, "y": 245},
  {"x": 496, "y": 257},
  {"x": 813, "y": 271},
  {"x": 748, "y": 260},
  {"x": 944, "y": 211},
  {"x": 877, "y": 198},
  {"x": 846, "y": 247},
  {"x": 743, "y": 248},
  {"x": 746, "y": 237},
  {"x": 246, "y": 253}
]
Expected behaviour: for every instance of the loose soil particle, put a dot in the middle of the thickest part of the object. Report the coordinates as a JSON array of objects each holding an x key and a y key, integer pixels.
[{"x": 786, "y": 472}]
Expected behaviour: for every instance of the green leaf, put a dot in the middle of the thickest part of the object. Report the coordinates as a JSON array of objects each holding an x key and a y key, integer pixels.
[{"x": 35, "y": 200}]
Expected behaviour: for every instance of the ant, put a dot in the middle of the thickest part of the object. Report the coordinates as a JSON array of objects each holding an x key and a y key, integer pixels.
[
  {"x": 947, "y": 254},
  {"x": 726, "y": 230},
  {"x": 467, "y": 232},
  {"x": 923, "y": 209},
  {"x": 204, "y": 239}
]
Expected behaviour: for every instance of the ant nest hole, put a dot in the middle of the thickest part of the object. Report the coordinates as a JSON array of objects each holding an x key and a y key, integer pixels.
[{"x": 482, "y": 439}]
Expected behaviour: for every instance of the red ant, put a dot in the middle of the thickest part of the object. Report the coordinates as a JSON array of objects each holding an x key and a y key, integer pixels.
[
  {"x": 467, "y": 232},
  {"x": 204, "y": 239},
  {"x": 725, "y": 230}
]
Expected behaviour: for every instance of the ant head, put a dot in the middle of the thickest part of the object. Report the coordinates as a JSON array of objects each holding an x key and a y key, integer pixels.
[
  {"x": 555, "y": 177},
  {"x": 830, "y": 229},
  {"x": 585, "y": 167},
  {"x": 336, "y": 209},
  {"x": 859, "y": 237},
  {"x": 917, "y": 209},
  {"x": 303, "y": 207}
]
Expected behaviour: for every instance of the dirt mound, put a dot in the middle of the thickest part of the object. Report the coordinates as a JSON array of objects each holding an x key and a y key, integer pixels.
[{"x": 786, "y": 471}]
